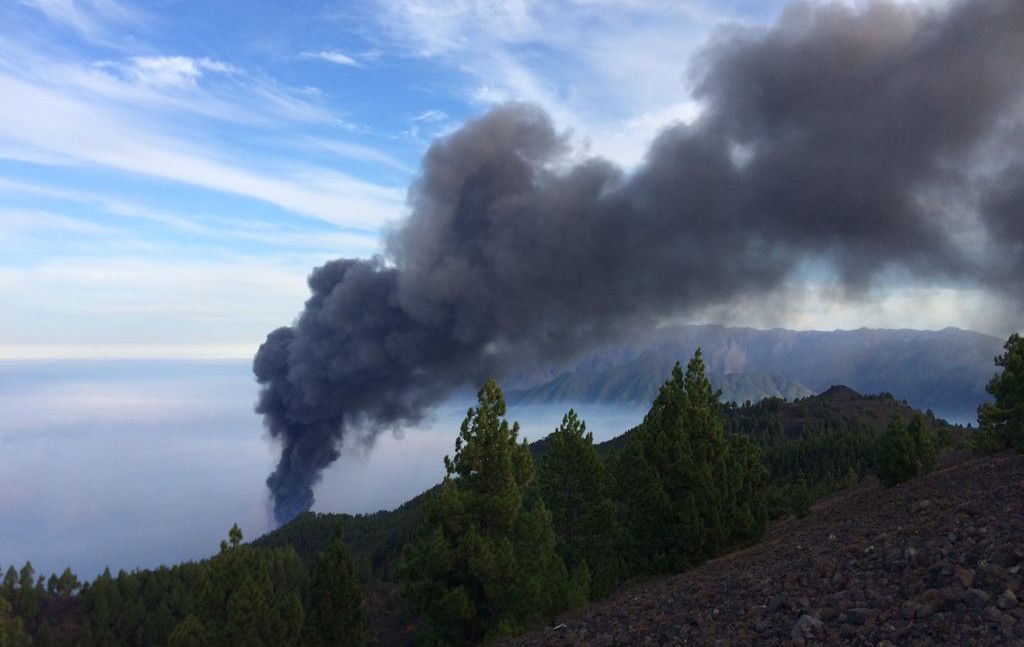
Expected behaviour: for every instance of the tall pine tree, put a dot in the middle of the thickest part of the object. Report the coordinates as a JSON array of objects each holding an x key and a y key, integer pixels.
[
  {"x": 1001, "y": 422},
  {"x": 572, "y": 481},
  {"x": 484, "y": 564},
  {"x": 897, "y": 461},
  {"x": 335, "y": 614},
  {"x": 685, "y": 490},
  {"x": 12, "y": 629},
  {"x": 924, "y": 442}
]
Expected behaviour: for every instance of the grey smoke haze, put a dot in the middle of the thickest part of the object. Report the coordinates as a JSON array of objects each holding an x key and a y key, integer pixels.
[{"x": 865, "y": 140}]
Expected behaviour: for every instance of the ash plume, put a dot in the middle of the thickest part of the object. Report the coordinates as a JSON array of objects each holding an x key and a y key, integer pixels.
[{"x": 863, "y": 140}]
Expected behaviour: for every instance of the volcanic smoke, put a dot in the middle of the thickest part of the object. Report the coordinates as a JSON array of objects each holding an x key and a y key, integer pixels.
[{"x": 870, "y": 141}]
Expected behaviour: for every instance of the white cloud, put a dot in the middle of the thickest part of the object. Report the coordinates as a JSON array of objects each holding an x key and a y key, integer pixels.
[
  {"x": 168, "y": 86},
  {"x": 431, "y": 116},
  {"x": 25, "y": 223},
  {"x": 125, "y": 306},
  {"x": 57, "y": 123},
  {"x": 174, "y": 71},
  {"x": 613, "y": 72},
  {"x": 357, "y": 152},
  {"x": 818, "y": 306},
  {"x": 20, "y": 222},
  {"x": 92, "y": 19},
  {"x": 331, "y": 56}
]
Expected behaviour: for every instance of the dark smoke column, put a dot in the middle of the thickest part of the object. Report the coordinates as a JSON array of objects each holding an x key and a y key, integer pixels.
[
  {"x": 867, "y": 141},
  {"x": 354, "y": 363},
  {"x": 371, "y": 351}
]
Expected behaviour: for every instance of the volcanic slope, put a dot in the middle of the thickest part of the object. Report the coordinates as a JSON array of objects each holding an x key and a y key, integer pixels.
[{"x": 936, "y": 560}]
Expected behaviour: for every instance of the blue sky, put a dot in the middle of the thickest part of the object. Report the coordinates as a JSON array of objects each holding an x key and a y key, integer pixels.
[{"x": 170, "y": 171}]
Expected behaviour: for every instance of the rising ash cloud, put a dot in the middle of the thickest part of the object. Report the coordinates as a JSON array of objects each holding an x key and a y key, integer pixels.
[{"x": 866, "y": 140}]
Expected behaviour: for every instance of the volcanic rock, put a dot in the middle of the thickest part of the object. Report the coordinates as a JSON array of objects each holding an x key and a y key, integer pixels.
[{"x": 897, "y": 573}]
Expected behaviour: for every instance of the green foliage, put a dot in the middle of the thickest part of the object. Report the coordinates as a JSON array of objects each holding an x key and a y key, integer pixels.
[
  {"x": 485, "y": 565},
  {"x": 234, "y": 537},
  {"x": 906, "y": 451},
  {"x": 250, "y": 596},
  {"x": 44, "y": 637},
  {"x": 67, "y": 583},
  {"x": 685, "y": 490},
  {"x": 12, "y": 628},
  {"x": 645, "y": 511},
  {"x": 491, "y": 550},
  {"x": 190, "y": 632},
  {"x": 28, "y": 595},
  {"x": 744, "y": 479},
  {"x": 898, "y": 459},
  {"x": 375, "y": 541},
  {"x": 335, "y": 613},
  {"x": 924, "y": 441},
  {"x": 1001, "y": 422},
  {"x": 242, "y": 596},
  {"x": 10, "y": 582},
  {"x": 827, "y": 442},
  {"x": 800, "y": 499},
  {"x": 571, "y": 480}
]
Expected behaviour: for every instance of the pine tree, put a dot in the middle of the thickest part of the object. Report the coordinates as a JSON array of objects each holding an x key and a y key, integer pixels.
[
  {"x": 85, "y": 638},
  {"x": 247, "y": 612},
  {"x": 704, "y": 426},
  {"x": 190, "y": 632},
  {"x": 12, "y": 628},
  {"x": 924, "y": 442},
  {"x": 26, "y": 601},
  {"x": 745, "y": 491},
  {"x": 800, "y": 499},
  {"x": 672, "y": 520},
  {"x": 10, "y": 582},
  {"x": 1001, "y": 422},
  {"x": 571, "y": 479},
  {"x": 248, "y": 594},
  {"x": 335, "y": 613},
  {"x": 44, "y": 637},
  {"x": 67, "y": 583},
  {"x": 898, "y": 459},
  {"x": 484, "y": 565},
  {"x": 646, "y": 511},
  {"x": 685, "y": 491}
]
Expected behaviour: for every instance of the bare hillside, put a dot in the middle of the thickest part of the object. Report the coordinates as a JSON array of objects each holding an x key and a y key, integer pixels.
[{"x": 933, "y": 561}]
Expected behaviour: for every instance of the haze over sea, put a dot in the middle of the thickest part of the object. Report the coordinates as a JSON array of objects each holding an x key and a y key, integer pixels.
[{"x": 137, "y": 463}]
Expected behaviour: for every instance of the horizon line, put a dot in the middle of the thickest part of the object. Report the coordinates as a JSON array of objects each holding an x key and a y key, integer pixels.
[{"x": 237, "y": 352}]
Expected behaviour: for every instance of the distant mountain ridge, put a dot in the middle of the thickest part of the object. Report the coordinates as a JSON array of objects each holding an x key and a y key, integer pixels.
[
  {"x": 942, "y": 370},
  {"x": 640, "y": 379}
]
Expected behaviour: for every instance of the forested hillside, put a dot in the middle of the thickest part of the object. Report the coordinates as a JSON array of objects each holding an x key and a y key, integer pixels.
[
  {"x": 824, "y": 441},
  {"x": 518, "y": 532}
]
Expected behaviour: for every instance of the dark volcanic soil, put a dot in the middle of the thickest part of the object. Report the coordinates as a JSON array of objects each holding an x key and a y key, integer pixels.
[{"x": 937, "y": 560}]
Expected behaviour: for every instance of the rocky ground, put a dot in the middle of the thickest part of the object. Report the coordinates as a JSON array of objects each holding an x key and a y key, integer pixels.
[{"x": 934, "y": 561}]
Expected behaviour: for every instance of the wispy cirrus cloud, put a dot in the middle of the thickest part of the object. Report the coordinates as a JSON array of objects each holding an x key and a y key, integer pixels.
[
  {"x": 145, "y": 192},
  {"x": 174, "y": 71},
  {"x": 93, "y": 20},
  {"x": 613, "y": 72},
  {"x": 202, "y": 226},
  {"x": 431, "y": 116},
  {"x": 129, "y": 119},
  {"x": 331, "y": 56}
]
